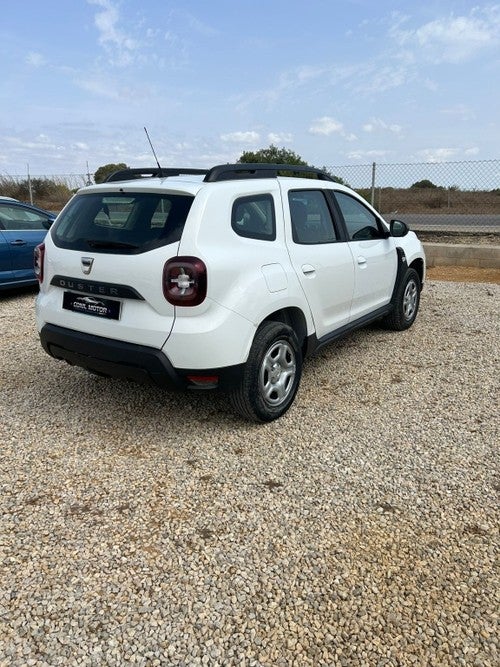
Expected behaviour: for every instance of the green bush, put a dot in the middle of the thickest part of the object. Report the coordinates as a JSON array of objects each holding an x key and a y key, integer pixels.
[
  {"x": 423, "y": 184},
  {"x": 106, "y": 170}
]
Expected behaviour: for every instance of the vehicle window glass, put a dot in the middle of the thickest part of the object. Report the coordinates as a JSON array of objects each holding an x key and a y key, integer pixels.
[
  {"x": 253, "y": 217},
  {"x": 311, "y": 218},
  {"x": 361, "y": 223},
  {"x": 127, "y": 222},
  {"x": 19, "y": 218}
]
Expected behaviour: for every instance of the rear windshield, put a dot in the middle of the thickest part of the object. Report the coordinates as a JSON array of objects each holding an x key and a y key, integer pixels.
[{"x": 122, "y": 222}]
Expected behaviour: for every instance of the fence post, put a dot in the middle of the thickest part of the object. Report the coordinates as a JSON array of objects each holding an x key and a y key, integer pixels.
[
  {"x": 372, "y": 202},
  {"x": 29, "y": 185}
]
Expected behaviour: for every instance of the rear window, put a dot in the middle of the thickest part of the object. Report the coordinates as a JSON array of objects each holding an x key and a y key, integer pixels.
[{"x": 121, "y": 222}]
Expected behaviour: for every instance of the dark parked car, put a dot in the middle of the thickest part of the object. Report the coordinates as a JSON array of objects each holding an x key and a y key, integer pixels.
[{"x": 22, "y": 227}]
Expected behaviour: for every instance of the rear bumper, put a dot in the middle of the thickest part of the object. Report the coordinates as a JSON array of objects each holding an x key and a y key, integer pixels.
[{"x": 145, "y": 365}]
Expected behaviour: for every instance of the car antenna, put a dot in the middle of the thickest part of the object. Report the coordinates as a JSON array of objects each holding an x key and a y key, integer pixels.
[{"x": 160, "y": 172}]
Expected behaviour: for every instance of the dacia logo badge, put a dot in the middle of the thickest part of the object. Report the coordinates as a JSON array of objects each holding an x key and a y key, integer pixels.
[{"x": 87, "y": 265}]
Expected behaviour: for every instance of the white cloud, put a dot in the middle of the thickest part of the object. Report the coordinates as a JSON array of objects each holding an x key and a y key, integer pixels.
[
  {"x": 460, "y": 111},
  {"x": 177, "y": 49},
  {"x": 119, "y": 45},
  {"x": 35, "y": 59},
  {"x": 201, "y": 28},
  {"x": 473, "y": 150},
  {"x": 378, "y": 124},
  {"x": 283, "y": 138},
  {"x": 380, "y": 78},
  {"x": 111, "y": 90},
  {"x": 241, "y": 137},
  {"x": 365, "y": 155},
  {"x": 453, "y": 39},
  {"x": 326, "y": 126},
  {"x": 437, "y": 154}
]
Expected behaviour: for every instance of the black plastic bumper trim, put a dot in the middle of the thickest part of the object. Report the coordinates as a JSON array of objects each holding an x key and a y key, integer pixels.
[{"x": 142, "y": 364}]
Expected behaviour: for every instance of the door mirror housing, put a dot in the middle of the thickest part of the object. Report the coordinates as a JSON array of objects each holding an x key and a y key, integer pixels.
[{"x": 399, "y": 228}]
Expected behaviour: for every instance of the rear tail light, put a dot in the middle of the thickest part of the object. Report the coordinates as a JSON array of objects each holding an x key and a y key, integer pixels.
[
  {"x": 185, "y": 281},
  {"x": 39, "y": 255}
]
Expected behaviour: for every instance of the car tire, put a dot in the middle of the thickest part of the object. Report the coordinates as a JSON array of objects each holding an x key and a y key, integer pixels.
[
  {"x": 271, "y": 376},
  {"x": 406, "y": 302}
]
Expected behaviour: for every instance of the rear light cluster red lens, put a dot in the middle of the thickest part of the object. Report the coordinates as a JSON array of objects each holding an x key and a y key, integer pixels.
[
  {"x": 185, "y": 281},
  {"x": 39, "y": 255}
]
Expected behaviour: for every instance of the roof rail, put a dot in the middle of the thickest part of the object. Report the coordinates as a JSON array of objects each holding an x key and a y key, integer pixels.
[
  {"x": 153, "y": 172},
  {"x": 242, "y": 170},
  {"x": 222, "y": 172}
]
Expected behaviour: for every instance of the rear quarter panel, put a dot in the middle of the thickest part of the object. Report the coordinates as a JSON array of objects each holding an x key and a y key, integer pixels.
[{"x": 250, "y": 277}]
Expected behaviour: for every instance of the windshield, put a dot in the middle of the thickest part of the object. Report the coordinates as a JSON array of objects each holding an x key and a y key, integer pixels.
[{"x": 125, "y": 223}]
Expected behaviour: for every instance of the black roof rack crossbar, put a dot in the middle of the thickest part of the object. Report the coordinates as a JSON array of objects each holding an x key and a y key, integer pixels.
[
  {"x": 153, "y": 172},
  {"x": 228, "y": 172}
]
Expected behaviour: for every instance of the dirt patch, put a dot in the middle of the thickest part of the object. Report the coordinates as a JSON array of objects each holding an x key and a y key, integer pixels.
[{"x": 464, "y": 274}]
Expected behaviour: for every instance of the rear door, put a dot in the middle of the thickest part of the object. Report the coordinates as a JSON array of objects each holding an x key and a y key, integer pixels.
[{"x": 322, "y": 261}]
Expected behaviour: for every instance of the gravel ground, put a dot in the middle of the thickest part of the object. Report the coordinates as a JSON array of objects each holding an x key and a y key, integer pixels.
[{"x": 139, "y": 527}]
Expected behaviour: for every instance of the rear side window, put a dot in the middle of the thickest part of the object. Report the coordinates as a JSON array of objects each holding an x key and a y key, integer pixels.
[
  {"x": 253, "y": 217},
  {"x": 312, "y": 222},
  {"x": 122, "y": 222}
]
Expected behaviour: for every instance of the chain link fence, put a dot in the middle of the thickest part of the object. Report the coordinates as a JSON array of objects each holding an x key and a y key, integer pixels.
[{"x": 458, "y": 197}]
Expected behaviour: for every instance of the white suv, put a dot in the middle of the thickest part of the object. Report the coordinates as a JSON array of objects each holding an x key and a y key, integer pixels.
[{"x": 224, "y": 278}]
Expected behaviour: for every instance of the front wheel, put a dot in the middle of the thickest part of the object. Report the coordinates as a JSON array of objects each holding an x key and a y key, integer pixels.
[
  {"x": 272, "y": 374},
  {"x": 406, "y": 302}
]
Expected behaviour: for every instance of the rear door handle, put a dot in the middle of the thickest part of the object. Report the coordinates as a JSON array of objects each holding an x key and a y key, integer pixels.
[
  {"x": 361, "y": 261},
  {"x": 308, "y": 270},
  {"x": 18, "y": 242}
]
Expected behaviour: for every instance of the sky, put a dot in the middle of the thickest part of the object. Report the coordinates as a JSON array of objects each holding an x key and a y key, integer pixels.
[{"x": 339, "y": 82}]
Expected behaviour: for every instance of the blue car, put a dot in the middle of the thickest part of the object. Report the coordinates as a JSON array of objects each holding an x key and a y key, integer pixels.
[{"x": 22, "y": 228}]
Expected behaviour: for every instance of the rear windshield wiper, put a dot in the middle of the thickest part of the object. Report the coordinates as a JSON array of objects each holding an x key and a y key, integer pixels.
[{"x": 118, "y": 245}]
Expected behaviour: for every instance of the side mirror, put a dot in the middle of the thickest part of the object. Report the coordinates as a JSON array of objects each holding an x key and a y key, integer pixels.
[
  {"x": 47, "y": 223},
  {"x": 399, "y": 228}
]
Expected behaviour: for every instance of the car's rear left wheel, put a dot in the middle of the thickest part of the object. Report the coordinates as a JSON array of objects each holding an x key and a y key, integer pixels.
[{"x": 272, "y": 374}]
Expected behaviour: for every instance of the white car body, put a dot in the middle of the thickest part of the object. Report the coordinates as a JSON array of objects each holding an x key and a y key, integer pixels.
[{"x": 321, "y": 290}]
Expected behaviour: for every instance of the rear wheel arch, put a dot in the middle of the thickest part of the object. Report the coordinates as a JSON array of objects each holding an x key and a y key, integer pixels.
[{"x": 294, "y": 318}]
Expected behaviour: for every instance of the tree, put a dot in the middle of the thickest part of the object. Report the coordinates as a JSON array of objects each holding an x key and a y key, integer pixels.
[
  {"x": 423, "y": 184},
  {"x": 103, "y": 172},
  {"x": 273, "y": 155}
]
